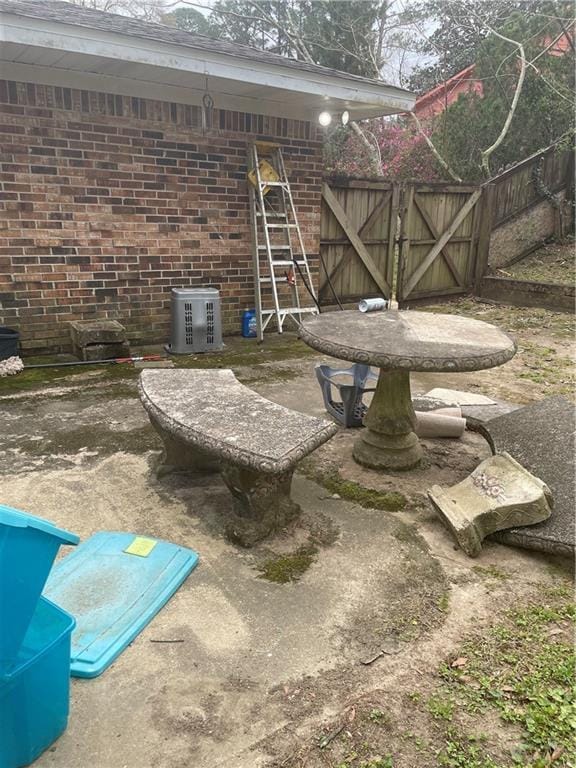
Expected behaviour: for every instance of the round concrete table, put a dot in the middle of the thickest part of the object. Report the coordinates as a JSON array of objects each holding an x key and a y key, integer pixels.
[{"x": 397, "y": 343}]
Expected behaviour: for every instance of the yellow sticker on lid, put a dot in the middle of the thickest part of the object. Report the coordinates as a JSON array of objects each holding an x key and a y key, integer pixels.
[{"x": 140, "y": 546}]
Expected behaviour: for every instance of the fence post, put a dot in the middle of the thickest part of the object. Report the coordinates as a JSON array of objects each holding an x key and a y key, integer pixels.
[
  {"x": 484, "y": 232},
  {"x": 570, "y": 202}
]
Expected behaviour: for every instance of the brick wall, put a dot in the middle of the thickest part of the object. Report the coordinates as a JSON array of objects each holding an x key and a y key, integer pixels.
[{"x": 109, "y": 201}]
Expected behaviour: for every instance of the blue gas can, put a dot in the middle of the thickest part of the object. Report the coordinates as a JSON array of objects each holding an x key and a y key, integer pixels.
[{"x": 249, "y": 324}]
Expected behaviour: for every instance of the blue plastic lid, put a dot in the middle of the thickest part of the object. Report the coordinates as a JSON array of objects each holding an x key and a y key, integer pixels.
[{"x": 16, "y": 519}]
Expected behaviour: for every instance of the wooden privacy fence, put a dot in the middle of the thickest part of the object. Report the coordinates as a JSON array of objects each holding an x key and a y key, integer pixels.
[
  {"x": 424, "y": 241},
  {"x": 530, "y": 202},
  {"x": 531, "y": 181}
]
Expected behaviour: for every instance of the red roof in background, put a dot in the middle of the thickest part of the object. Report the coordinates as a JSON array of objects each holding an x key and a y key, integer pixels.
[{"x": 436, "y": 100}]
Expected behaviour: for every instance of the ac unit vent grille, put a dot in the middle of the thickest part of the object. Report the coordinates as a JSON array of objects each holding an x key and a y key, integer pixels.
[
  {"x": 188, "y": 323},
  {"x": 209, "y": 322},
  {"x": 196, "y": 321}
]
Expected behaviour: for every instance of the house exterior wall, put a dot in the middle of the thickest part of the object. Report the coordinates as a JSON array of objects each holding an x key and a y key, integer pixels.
[{"x": 110, "y": 201}]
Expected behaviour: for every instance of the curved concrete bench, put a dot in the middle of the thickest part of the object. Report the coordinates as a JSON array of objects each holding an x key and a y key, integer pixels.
[{"x": 209, "y": 421}]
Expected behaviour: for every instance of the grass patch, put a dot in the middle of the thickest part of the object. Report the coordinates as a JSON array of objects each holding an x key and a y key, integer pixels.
[
  {"x": 505, "y": 699},
  {"x": 544, "y": 366},
  {"x": 491, "y": 572},
  {"x": 284, "y": 569},
  {"x": 463, "y": 752},
  {"x": 512, "y": 319},
  {"x": 523, "y": 669}
]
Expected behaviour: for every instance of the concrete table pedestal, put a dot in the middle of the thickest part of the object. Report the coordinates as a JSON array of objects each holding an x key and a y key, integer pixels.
[
  {"x": 389, "y": 440},
  {"x": 397, "y": 343}
]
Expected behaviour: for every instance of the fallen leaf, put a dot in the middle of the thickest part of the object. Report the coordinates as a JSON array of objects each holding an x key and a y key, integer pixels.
[
  {"x": 558, "y": 752},
  {"x": 461, "y": 661},
  {"x": 352, "y": 715}
]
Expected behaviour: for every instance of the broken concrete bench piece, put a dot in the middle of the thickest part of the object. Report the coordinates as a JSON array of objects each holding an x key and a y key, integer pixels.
[
  {"x": 499, "y": 494},
  {"x": 209, "y": 421},
  {"x": 541, "y": 436}
]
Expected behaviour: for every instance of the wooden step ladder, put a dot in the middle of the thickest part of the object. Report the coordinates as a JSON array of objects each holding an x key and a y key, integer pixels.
[{"x": 282, "y": 280}]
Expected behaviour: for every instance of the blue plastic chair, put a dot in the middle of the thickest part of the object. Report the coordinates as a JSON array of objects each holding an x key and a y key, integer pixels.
[{"x": 350, "y": 410}]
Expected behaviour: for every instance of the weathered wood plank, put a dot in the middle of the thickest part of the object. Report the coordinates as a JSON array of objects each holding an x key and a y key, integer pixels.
[
  {"x": 435, "y": 234},
  {"x": 355, "y": 241},
  {"x": 418, "y": 273}
]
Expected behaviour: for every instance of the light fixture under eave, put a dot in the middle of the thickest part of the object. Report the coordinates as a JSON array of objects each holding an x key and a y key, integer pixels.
[
  {"x": 345, "y": 117},
  {"x": 324, "y": 118}
]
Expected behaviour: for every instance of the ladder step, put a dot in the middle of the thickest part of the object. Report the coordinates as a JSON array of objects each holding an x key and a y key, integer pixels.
[
  {"x": 272, "y": 215},
  {"x": 287, "y": 262},
  {"x": 275, "y": 247},
  {"x": 265, "y": 184},
  {"x": 290, "y": 310},
  {"x": 281, "y": 226}
]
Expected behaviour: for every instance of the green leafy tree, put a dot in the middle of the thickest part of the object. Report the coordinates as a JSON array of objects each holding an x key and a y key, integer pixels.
[
  {"x": 190, "y": 20},
  {"x": 343, "y": 34},
  {"x": 544, "y": 112},
  {"x": 452, "y": 32}
]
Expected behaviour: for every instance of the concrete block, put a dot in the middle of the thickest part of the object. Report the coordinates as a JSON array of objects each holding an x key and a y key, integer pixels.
[
  {"x": 499, "y": 494},
  {"x": 103, "y": 351},
  {"x": 85, "y": 332}
]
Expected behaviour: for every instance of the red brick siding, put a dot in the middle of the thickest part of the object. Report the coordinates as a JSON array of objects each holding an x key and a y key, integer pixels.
[{"x": 109, "y": 201}]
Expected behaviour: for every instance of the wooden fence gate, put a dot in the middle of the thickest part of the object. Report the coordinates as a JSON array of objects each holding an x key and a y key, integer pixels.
[
  {"x": 438, "y": 243},
  {"x": 358, "y": 230},
  {"x": 418, "y": 241}
]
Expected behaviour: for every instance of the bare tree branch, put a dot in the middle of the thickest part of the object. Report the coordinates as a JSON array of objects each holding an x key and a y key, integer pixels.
[
  {"x": 373, "y": 149},
  {"x": 485, "y": 161},
  {"x": 433, "y": 149}
]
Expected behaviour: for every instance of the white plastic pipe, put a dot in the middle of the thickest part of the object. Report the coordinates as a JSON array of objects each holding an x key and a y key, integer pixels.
[{"x": 439, "y": 423}]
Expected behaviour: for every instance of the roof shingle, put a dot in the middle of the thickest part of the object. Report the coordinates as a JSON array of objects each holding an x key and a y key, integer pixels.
[{"x": 75, "y": 15}]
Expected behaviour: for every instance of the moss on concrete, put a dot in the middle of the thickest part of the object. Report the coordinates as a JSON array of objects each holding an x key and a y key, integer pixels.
[
  {"x": 265, "y": 374},
  {"x": 96, "y": 437},
  {"x": 283, "y": 569},
  {"x": 44, "y": 378},
  {"x": 238, "y": 354},
  {"x": 370, "y": 498}
]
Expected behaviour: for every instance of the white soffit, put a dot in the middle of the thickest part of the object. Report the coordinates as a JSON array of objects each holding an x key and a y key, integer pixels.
[{"x": 36, "y": 50}]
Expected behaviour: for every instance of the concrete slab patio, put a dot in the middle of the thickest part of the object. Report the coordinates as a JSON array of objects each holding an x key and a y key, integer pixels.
[{"x": 257, "y": 663}]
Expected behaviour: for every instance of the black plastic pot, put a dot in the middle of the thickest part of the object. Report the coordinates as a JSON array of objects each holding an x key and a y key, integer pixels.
[{"x": 9, "y": 339}]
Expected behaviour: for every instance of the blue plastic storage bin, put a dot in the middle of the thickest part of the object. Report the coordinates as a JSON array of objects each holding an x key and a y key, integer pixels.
[
  {"x": 28, "y": 547},
  {"x": 34, "y": 696}
]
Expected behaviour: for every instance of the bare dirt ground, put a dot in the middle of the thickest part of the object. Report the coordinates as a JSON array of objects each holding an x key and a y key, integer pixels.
[
  {"x": 476, "y": 661},
  {"x": 553, "y": 263}
]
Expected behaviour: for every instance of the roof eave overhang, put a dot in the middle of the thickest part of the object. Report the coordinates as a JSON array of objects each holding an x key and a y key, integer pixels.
[{"x": 309, "y": 92}]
